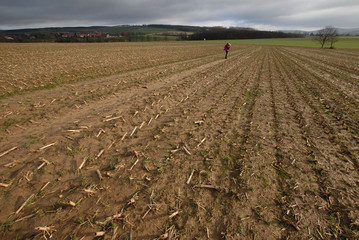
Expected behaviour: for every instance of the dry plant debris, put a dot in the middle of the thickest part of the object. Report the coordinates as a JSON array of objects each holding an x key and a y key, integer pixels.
[{"x": 171, "y": 141}]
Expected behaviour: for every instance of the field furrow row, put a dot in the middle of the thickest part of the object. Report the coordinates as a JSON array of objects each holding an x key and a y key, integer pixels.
[
  {"x": 323, "y": 149},
  {"x": 178, "y": 142}
]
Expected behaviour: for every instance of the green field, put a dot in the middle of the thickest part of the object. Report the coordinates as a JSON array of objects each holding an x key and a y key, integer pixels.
[{"x": 343, "y": 43}]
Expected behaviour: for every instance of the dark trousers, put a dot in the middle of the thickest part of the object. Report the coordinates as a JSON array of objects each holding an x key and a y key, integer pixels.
[{"x": 226, "y": 55}]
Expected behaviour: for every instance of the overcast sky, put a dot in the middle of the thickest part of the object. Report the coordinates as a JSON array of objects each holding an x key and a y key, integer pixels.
[{"x": 259, "y": 14}]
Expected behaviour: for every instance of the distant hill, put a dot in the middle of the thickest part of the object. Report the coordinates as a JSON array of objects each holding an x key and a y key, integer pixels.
[
  {"x": 141, "y": 29},
  {"x": 348, "y": 31},
  {"x": 151, "y": 32}
]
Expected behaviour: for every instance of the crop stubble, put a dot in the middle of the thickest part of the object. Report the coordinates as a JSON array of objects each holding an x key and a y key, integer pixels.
[{"x": 263, "y": 145}]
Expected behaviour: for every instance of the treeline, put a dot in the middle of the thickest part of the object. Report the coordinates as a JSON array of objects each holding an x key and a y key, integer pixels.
[
  {"x": 180, "y": 28},
  {"x": 130, "y": 37},
  {"x": 220, "y": 33},
  {"x": 84, "y": 37}
]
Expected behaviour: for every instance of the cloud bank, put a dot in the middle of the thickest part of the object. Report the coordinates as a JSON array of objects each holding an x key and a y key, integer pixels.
[{"x": 260, "y": 14}]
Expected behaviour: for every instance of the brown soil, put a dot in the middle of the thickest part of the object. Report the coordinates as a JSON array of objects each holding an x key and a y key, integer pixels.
[{"x": 263, "y": 145}]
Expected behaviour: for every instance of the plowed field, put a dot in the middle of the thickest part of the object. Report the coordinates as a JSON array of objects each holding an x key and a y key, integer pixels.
[{"x": 172, "y": 141}]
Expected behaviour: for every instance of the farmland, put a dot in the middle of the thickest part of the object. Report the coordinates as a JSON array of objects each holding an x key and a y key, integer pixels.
[
  {"x": 172, "y": 141},
  {"x": 343, "y": 42}
]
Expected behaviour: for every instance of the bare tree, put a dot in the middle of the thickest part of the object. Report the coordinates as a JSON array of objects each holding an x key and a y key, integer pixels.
[
  {"x": 327, "y": 34},
  {"x": 333, "y": 38}
]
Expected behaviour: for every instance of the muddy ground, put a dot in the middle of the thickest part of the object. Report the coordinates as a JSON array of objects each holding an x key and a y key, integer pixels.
[{"x": 263, "y": 145}]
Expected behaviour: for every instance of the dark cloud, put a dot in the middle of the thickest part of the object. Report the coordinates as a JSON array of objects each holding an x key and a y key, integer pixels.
[{"x": 262, "y": 14}]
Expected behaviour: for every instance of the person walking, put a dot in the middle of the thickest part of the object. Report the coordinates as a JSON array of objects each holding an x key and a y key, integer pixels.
[{"x": 227, "y": 47}]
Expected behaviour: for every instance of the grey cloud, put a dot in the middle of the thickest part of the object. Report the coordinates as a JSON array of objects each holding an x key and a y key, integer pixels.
[{"x": 279, "y": 13}]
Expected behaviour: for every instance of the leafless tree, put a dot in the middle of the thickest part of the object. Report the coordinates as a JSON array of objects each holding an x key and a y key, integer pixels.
[
  {"x": 327, "y": 34},
  {"x": 333, "y": 38}
]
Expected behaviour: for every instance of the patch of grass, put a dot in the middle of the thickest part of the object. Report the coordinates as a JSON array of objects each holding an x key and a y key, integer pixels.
[
  {"x": 61, "y": 172},
  {"x": 343, "y": 43},
  {"x": 311, "y": 191},
  {"x": 42, "y": 193},
  {"x": 258, "y": 213},
  {"x": 249, "y": 94},
  {"x": 240, "y": 228},
  {"x": 10, "y": 122},
  {"x": 84, "y": 181},
  {"x": 126, "y": 181},
  {"x": 111, "y": 165},
  {"x": 253, "y": 232},
  {"x": 279, "y": 155},
  {"x": 59, "y": 204},
  {"x": 265, "y": 182},
  {"x": 281, "y": 172},
  {"x": 32, "y": 136},
  {"x": 33, "y": 139},
  {"x": 7, "y": 226},
  {"x": 27, "y": 145},
  {"x": 208, "y": 163},
  {"x": 80, "y": 220},
  {"x": 311, "y": 160},
  {"x": 105, "y": 204}
]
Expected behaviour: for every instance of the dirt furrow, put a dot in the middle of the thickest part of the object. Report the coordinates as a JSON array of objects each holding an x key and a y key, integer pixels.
[
  {"x": 73, "y": 184},
  {"x": 341, "y": 110},
  {"x": 345, "y": 65},
  {"x": 222, "y": 160},
  {"x": 296, "y": 156},
  {"x": 257, "y": 146},
  {"x": 329, "y": 77},
  {"x": 165, "y": 151},
  {"x": 57, "y": 64},
  {"x": 202, "y": 163},
  {"x": 324, "y": 151},
  {"x": 332, "y": 118},
  {"x": 84, "y": 93},
  {"x": 250, "y": 163}
]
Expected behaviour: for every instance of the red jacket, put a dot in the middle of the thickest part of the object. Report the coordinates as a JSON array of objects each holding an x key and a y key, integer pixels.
[{"x": 227, "y": 47}]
